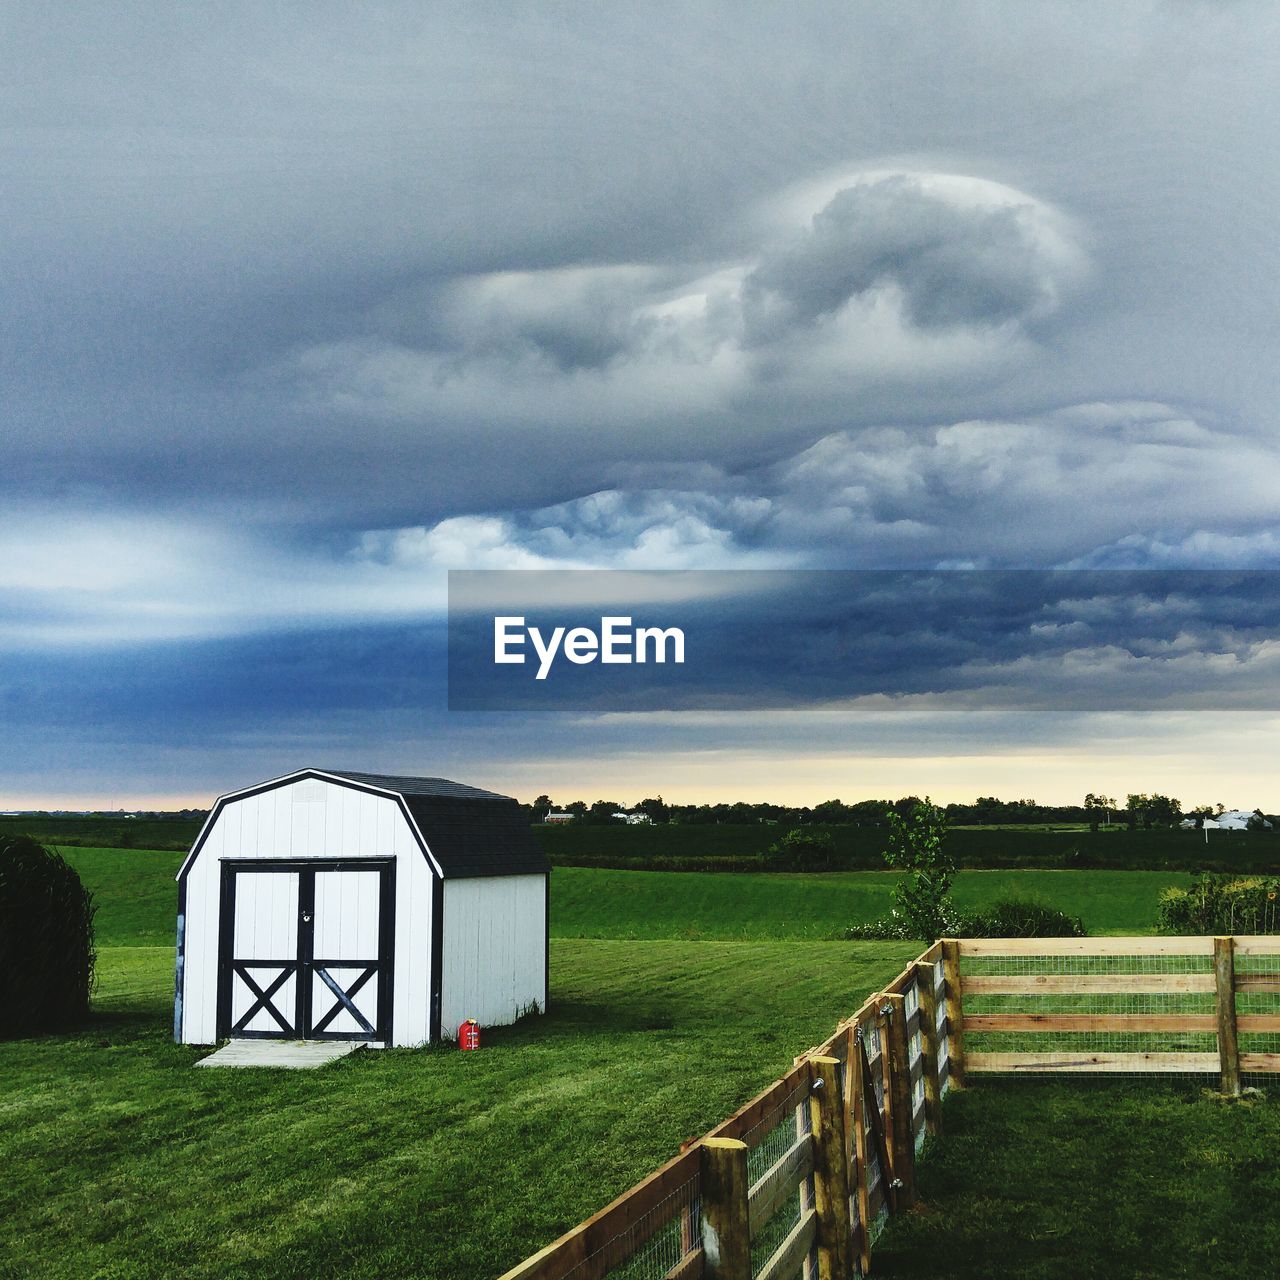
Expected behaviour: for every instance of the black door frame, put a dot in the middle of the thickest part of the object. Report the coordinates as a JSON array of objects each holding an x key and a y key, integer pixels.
[{"x": 305, "y": 965}]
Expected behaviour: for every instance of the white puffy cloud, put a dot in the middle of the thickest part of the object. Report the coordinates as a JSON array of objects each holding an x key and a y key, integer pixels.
[
  {"x": 1074, "y": 483},
  {"x": 610, "y": 529}
]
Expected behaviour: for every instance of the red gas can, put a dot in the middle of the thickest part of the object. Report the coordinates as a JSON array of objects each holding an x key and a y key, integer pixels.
[{"x": 469, "y": 1034}]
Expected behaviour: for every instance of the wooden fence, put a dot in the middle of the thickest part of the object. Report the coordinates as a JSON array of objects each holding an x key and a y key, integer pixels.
[
  {"x": 799, "y": 1181},
  {"x": 1207, "y": 1006}
]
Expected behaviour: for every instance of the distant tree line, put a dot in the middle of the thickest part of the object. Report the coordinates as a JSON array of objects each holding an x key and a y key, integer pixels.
[
  {"x": 153, "y": 814},
  {"x": 1139, "y": 810}
]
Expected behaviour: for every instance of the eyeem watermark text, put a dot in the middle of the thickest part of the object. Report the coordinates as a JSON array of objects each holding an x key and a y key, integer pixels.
[{"x": 617, "y": 641}]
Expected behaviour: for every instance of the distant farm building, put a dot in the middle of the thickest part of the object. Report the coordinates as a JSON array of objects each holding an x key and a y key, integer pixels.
[
  {"x": 327, "y": 904},
  {"x": 558, "y": 815},
  {"x": 1231, "y": 820},
  {"x": 1239, "y": 819}
]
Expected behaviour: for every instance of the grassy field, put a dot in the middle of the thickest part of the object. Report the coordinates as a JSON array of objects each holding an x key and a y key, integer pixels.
[
  {"x": 857, "y": 848},
  {"x": 121, "y": 1161},
  {"x": 93, "y": 832},
  {"x": 138, "y": 899},
  {"x": 691, "y": 992},
  {"x": 1041, "y": 1179},
  {"x": 862, "y": 848},
  {"x": 591, "y": 903}
]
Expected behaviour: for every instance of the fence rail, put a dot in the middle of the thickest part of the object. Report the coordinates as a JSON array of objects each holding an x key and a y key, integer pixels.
[
  {"x": 800, "y": 1180},
  {"x": 1185, "y": 1005}
]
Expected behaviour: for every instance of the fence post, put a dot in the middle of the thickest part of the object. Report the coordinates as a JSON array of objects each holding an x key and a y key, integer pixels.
[
  {"x": 858, "y": 1087},
  {"x": 1224, "y": 970},
  {"x": 830, "y": 1172},
  {"x": 726, "y": 1227},
  {"x": 902, "y": 1140},
  {"x": 955, "y": 1012},
  {"x": 929, "y": 1046}
]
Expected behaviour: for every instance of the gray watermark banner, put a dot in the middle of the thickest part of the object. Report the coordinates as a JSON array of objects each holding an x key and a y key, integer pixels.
[{"x": 620, "y": 640}]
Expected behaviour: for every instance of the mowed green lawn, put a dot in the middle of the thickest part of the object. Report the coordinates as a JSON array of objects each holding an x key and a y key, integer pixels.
[
  {"x": 138, "y": 899},
  {"x": 656, "y": 904},
  {"x": 1093, "y": 1178},
  {"x": 120, "y": 1160},
  {"x": 685, "y": 995}
]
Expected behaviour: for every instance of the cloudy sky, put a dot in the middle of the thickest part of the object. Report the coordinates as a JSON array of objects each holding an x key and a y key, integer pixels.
[{"x": 305, "y": 306}]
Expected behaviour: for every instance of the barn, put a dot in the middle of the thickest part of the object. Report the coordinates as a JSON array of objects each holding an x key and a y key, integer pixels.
[{"x": 326, "y": 904}]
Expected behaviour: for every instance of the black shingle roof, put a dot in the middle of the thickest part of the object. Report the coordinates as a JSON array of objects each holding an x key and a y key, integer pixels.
[
  {"x": 470, "y": 832},
  {"x": 418, "y": 786}
]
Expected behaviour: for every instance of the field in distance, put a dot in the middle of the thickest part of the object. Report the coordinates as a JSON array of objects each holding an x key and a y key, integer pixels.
[
  {"x": 728, "y": 847},
  {"x": 137, "y": 899}
]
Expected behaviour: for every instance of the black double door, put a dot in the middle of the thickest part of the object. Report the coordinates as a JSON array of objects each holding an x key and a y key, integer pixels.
[{"x": 305, "y": 949}]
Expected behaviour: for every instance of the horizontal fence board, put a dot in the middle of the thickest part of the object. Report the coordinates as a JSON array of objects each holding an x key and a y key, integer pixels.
[
  {"x": 1260, "y": 1062},
  {"x": 1122, "y": 1022},
  {"x": 837, "y": 1044},
  {"x": 786, "y": 1259},
  {"x": 1258, "y": 944},
  {"x": 1258, "y": 1022},
  {"x": 779, "y": 1183},
  {"x": 625, "y": 1214},
  {"x": 1017, "y": 984},
  {"x": 1088, "y": 946},
  {"x": 759, "y": 1108},
  {"x": 691, "y": 1267},
  {"x": 1049, "y": 1063},
  {"x": 899, "y": 986},
  {"x": 1257, "y": 981}
]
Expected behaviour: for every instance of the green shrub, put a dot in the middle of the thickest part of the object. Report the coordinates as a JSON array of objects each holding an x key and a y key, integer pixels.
[
  {"x": 46, "y": 939},
  {"x": 1006, "y": 918},
  {"x": 801, "y": 850},
  {"x": 1221, "y": 904},
  {"x": 1022, "y": 918},
  {"x": 886, "y": 929},
  {"x": 917, "y": 846}
]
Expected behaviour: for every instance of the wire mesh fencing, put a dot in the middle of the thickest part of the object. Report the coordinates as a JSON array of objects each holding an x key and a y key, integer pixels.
[
  {"x": 1257, "y": 994},
  {"x": 1194, "y": 1007},
  {"x": 663, "y": 1242},
  {"x": 802, "y": 1179},
  {"x": 777, "y": 1201}
]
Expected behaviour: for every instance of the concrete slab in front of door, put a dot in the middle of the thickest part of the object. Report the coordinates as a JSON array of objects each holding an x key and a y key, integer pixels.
[{"x": 295, "y": 1055}]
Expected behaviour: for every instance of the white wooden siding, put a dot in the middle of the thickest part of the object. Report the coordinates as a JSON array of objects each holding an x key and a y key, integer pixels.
[
  {"x": 267, "y": 916},
  {"x": 346, "y": 916},
  {"x": 311, "y": 819},
  {"x": 494, "y": 950},
  {"x": 266, "y": 928},
  {"x": 346, "y": 928}
]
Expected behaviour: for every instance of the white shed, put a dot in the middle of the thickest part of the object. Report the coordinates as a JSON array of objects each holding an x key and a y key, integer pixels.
[{"x": 355, "y": 906}]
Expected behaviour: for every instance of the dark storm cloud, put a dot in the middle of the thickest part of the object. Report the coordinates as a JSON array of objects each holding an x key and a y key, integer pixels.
[
  {"x": 247, "y": 253},
  {"x": 953, "y": 265}
]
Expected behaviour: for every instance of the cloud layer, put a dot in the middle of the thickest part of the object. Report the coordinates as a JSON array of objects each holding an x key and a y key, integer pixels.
[
  {"x": 1128, "y": 485},
  {"x": 894, "y": 279},
  {"x": 303, "y": 310}
]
